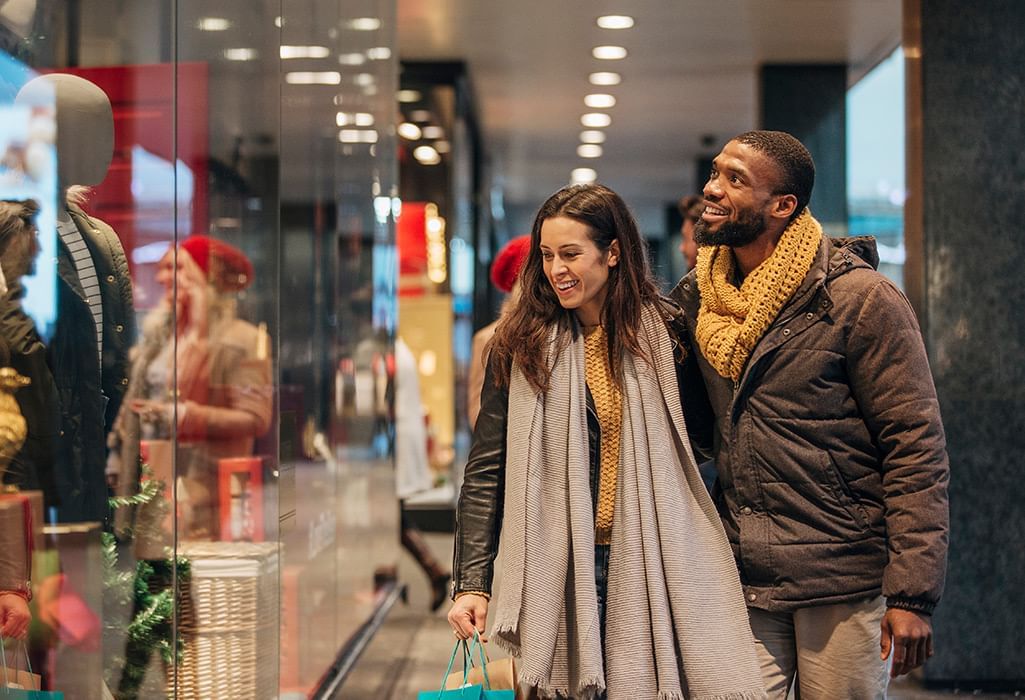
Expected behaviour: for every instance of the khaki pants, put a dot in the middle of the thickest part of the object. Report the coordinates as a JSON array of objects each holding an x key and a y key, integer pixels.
[{"x": 833, "y": 650}]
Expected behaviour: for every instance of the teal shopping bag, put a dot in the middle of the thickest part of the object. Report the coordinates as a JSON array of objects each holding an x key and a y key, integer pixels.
[
  {"x": 467, "y": 691},
  {"x": 12, "y": 681}
]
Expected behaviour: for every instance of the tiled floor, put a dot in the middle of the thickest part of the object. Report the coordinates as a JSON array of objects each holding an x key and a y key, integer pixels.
[{"x": 411, "y": 651}]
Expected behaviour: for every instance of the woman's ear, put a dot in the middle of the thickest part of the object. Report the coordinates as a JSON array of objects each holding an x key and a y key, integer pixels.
[{"x": 614, "y": 254}]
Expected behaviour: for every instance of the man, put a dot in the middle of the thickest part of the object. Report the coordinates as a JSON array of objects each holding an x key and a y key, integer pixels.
[
  {"x": 831, "y": 455},
  {"x": 691, "y": 208}
]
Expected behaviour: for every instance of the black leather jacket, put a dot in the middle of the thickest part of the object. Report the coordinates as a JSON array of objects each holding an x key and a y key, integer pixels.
[{"x": 479, "y": 514}]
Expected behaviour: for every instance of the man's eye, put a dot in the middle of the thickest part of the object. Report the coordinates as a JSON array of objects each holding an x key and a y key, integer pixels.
[{"x": 735, "y": 179}]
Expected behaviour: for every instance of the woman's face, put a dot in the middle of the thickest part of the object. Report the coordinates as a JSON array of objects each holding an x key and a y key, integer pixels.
[
  {"x": 167, "y": 271},
  {"x": 577, "y": 270}
]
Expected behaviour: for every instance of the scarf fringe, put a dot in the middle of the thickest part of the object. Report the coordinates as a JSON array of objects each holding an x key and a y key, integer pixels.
[{"x": 746, "y": 695}]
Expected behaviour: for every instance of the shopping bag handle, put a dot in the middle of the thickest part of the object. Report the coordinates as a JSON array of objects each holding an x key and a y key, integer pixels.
[
  {"x": 3, "y": 662},
  {"x": 460, "y": 644},
  {"x": 483, "y": 659}
]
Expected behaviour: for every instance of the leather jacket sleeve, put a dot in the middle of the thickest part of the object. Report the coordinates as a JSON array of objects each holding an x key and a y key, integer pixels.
[{"x": 479, "y": 513}]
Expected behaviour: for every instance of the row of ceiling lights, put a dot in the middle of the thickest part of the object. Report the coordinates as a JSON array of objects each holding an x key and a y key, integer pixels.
[
  {"x": 417, "y": 127},
  {"x": 592, "y": 138}
]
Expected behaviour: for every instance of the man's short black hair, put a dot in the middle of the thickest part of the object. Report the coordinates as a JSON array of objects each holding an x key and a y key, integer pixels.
[{"x": 796, "y": 167}]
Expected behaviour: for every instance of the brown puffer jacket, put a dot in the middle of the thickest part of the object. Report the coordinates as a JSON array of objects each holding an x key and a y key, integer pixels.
[{"x": 831, "y": 455}]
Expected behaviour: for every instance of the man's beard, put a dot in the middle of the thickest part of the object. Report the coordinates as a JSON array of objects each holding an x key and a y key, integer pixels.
[{"x": 734, "y": 234}]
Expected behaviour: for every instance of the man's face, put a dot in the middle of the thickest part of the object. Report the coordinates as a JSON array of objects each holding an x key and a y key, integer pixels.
[{"x": 738, "y": 196}]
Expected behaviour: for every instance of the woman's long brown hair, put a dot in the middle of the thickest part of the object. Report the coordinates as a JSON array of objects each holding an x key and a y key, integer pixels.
[{"x": 522, "y": 333}]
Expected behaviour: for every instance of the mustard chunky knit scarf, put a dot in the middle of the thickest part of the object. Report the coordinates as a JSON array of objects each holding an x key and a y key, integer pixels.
[{"x": 732, "y": 321}]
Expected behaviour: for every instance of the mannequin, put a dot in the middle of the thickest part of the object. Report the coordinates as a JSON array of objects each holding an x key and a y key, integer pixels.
[{"x": 95, "y": 318}]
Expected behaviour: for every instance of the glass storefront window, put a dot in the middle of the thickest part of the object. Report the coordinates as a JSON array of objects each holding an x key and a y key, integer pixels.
[{"x": 199, "y": 313}]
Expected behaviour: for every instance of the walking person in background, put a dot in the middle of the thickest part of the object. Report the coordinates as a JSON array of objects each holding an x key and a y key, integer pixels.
[
  {"x": 831, "y": 454},
  {"x": 617, "y": 578},
  {"x": 691, "y": 208},
  {"x": 505, "y": 272},
  {"x": 412, "y": 467}
]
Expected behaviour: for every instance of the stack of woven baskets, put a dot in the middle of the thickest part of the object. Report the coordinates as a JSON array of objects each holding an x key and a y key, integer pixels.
[{"x": 229, "y": 621}]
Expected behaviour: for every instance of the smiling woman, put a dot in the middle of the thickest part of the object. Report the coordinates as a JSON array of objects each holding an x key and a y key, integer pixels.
[{"x": 591, "y": 358}]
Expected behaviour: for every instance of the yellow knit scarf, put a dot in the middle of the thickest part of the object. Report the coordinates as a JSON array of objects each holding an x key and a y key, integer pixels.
[
  {"x": 732, "y": 321},
  {"x": 608, "y": 403}
]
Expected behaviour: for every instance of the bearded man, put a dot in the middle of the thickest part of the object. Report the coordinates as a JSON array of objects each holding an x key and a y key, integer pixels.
[{"x": 830, "y": 450}]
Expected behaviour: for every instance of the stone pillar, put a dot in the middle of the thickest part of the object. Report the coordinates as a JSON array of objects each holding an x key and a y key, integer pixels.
[
  {"x": 966, "y": 252},
  {"x": 810, "y": 102}
]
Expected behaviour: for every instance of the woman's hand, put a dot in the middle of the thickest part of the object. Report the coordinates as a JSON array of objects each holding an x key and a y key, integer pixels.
[
  {"x": 14, "y": 616},
  {"x": 469, "y": 612}
]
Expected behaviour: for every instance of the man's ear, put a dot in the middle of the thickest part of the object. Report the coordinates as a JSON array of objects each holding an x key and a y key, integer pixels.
[
  {"x": 614, "y": 254},
  {"x": 784, "y": 207}
]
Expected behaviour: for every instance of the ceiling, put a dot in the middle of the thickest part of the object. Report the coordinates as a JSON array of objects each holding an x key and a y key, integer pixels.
[{"x": 691, "y": 74}]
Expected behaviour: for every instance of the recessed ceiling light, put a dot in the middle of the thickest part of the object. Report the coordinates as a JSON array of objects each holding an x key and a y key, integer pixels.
[
  {"x": 596, "y": 120},
  {"x": 313, "y": 78},
  {"x": 213, "y": 24},
  {"x": 409, "y": 131},
  {"x": 364, "y": 24},
  {"x": 240, "y": 54},
  {"x": 354, "y": 118},
  {"x": 581, "y": 176},
  {"x": 442, "y": 146},
  {"x": 278, "y": 22},
  {"x": 604, "y": 78},
  {"x": 608, "y": 53},
  {"x": 426, "y": 155},
  {"x": 589, "y": 150},
  {"x": 352, "y": 59},
  {"x": 357, "y": 136},
  {"x": 615, "y": 22},
  {"x": 592, "y": 136},
  {"x": 364, "y": 79},
  {"x": 420, "y": 115},
  {"x": 433, "y": 132},
  {"x": 379, "y": 53},
  {"x": 304, "y": 52},
  {"x": 408, "y": 96},
  {"x": 599, "y": 101}
]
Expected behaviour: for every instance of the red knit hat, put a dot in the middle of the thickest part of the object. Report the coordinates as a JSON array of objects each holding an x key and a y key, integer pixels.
[
  {"x": 506, "y": 266},
  {"x": 226, "y": 267}
]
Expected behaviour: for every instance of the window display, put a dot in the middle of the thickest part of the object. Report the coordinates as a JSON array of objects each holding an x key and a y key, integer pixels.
[{"x": 197, "y": 323}]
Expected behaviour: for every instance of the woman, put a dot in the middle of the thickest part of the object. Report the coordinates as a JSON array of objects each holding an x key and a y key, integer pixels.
[
  {"x": 199, "y": 374},
  {"x": 617, "y": 576}
]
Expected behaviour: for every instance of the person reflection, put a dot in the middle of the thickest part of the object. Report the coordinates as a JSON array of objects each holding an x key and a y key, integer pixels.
[
  {"x": 199, "y": 373},
  {"x": 21, "y": 349}
]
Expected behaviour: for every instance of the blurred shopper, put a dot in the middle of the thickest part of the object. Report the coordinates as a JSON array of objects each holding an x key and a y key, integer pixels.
[
  {"x": 831, "y": 454},
  {"x": 28, "y": 442},
  {"x": 412, "y": 467},
  {"x": 690, "y": 208},
  {"x": 32, "y": 468},
  {"x": 200, "y": 374},
  {"x": 617, "y": 577},
  {"x": 505, "y": 272}
]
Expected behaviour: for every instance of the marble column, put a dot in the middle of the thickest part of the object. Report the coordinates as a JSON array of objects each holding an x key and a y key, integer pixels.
[
  {"x": 810, "y": 102},
  {"x": 966, "y": 250}
]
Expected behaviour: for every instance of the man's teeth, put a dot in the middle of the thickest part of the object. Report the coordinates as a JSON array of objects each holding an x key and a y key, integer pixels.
[
  {"x": 715, "y": 211},
  {"x": 563, "y": 286}
]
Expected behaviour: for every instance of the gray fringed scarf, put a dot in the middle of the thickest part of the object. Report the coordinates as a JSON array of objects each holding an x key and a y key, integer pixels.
[{"x": 677, "y": 625}]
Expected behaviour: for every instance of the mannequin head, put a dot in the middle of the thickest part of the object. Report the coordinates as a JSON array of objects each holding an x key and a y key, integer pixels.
[{"x": 85, "y": 126}]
